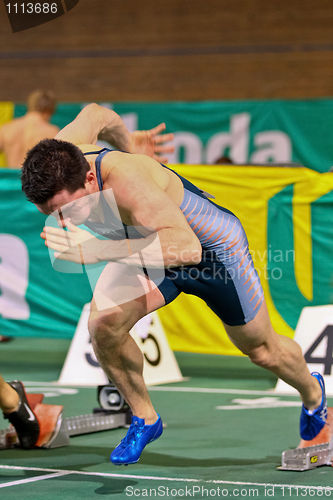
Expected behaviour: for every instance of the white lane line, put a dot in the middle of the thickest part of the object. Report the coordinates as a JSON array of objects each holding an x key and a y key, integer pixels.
[
  {"x": 257, "y": 403},
  {"x": 157, "y": 388},
  {"x": 256, "y": 407},
  {"x": 208, "y": 390},
  {"x": 34, "y": 479},
  {"x": 174, "y": 479}
]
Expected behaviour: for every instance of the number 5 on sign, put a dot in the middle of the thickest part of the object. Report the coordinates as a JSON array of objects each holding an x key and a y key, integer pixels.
[{"x": 314, "y": 333}]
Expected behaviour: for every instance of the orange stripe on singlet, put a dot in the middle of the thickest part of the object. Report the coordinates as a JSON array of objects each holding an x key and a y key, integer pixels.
[
  {"x": 202, "y": 206},
  {"x": 239, "y": 249},
  {"x": 195, "y": 206},
  {"x": 246, "y": 269},
  {"x": 258, "y": 302},
  {"x": 241, "y": 262},
  {"x": 256, "y": 293},
  {"x": 217, "y": 229},
  {"x": 248, "y": 279},
  {"x": 187, "y": 204},
  {"x": 208, "y": 228},
  {"x": 251, "y": 285},
  {"x": 234, "y": 253},
  {"x": 234, "y": 242},
  {"x": 227, "y": 236},
  {"x": 218, "y": 237},
  {"x": 202, "y": 218}
]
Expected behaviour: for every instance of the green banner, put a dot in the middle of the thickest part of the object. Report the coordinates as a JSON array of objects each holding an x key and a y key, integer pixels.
[
  {"x": 35, "y": 300},
  {"x": 253, "y": 132}
]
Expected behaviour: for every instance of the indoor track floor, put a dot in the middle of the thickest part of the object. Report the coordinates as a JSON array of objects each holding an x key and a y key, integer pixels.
[{"x": 222, "y": 439}]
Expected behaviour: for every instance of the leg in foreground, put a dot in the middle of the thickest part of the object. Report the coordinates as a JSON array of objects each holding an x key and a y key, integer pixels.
[
  {"x": 283, "y": 356},
  {"x": 122, "y": 361},
  {"x": 15, "y": 407}
]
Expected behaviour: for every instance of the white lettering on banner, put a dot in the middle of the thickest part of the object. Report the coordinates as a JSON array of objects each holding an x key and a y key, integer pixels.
[
  {"x": 192, "y": 146},
  {"x": 273, "y": 146},
  {"x": 14, "y": 271},
  {"x": 131, "y": 121},
  {"x": 237, "y": 140}
]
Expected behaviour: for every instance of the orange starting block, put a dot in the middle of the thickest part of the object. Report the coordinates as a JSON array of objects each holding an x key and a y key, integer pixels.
[
  {"x": 311, "y": 454},
  {"x": 48, "y": 417}
]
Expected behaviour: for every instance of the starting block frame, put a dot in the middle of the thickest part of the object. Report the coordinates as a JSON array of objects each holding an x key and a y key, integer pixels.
[
  {"x": 311, "y": 454},
  {"x": 55, "y": 430},
  {"x": 86, "y": 424}
]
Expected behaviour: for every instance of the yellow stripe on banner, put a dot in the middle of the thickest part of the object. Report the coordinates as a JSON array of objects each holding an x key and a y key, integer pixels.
[
  {"x": 6, "y": 115},
  {"x": 246, "y": 191},
  {"x": 315, "y": 186}
]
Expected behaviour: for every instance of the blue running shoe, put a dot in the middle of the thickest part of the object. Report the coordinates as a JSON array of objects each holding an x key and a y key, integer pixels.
[
  {"x": 138, "y": 436},
  {"x": 312, "y": 422}
]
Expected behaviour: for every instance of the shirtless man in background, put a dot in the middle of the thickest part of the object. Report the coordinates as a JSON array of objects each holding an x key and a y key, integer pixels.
[{"x": 21, "y": 134}]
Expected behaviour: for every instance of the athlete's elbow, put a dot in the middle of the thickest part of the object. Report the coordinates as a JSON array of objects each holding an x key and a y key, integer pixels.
[
  {"x": 92, "y": 107},
  {"x": 196, "y": 255},
  {"x": 93, "y": 113},
  {"x": 191, "y": 254}
]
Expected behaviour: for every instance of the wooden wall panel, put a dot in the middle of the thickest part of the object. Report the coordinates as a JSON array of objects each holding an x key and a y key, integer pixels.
[{"x": 174, "y": 50}]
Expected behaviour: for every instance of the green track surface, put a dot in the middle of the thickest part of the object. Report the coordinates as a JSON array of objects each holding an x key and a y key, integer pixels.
[{"x": 201, "y": 444}]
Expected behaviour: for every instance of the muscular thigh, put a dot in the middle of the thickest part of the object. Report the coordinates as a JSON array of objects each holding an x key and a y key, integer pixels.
[
  {"x": 124, "y": 296},
  {"x": 253, "y": 334}
]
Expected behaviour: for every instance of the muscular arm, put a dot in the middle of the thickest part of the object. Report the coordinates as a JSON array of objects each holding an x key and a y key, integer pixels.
[
  {"x": 96, "y": 122},
  {"x": 152, "y": 210}
]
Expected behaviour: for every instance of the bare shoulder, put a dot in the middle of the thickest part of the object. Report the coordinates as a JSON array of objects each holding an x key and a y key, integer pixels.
[
  {"x": 53, "y": 129},
  {"x": 15, "y": 124},
  {"x": 42, "y": 131},
  {"x": 88, "y": 147},
  {"x": 126, "y": 165}
]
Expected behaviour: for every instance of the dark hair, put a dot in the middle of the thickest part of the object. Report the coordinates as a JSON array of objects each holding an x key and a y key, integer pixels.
[
  {"x": 223, "y": 160},
  {"x": 50, "y": 167}
]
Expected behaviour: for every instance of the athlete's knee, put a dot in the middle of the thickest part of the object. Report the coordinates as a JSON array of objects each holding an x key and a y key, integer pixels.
[
  {"x": 109, "y": 325},
  {"x": 264, "y": 356}
]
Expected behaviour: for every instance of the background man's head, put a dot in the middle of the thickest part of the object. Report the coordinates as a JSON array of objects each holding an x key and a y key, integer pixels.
[{"x": 42, "y": 101}]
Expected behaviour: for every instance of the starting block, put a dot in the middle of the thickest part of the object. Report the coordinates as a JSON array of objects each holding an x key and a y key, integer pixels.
[
  {"x": 55, "y": 430},
  {"x": 311, "y": 454}
]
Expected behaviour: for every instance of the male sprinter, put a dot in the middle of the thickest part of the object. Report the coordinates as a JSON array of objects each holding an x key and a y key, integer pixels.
[
  {"x": 194, "y": 234},
  {"x": 16, "y": 138}
]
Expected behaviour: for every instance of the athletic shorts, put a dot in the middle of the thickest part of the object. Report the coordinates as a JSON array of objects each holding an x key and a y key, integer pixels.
[{"x": 225, "y": 278}]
